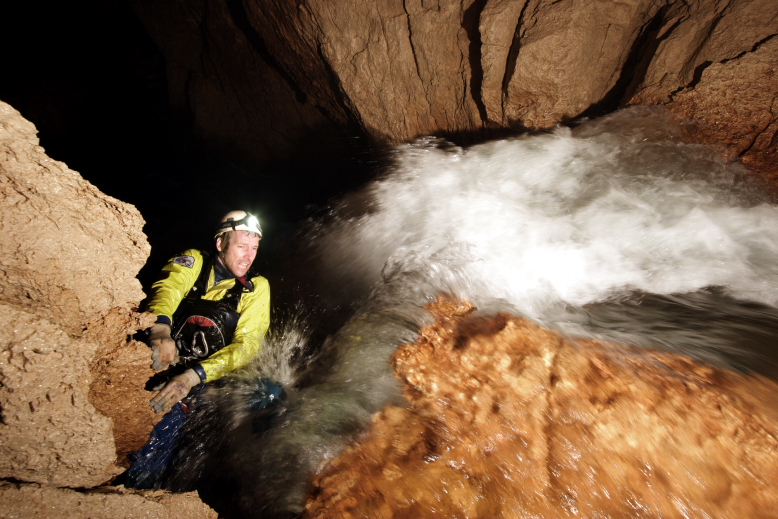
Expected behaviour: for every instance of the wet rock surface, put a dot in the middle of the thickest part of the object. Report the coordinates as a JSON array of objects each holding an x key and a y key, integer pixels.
[
  {"x": 394, "y": 70},
  {"x": 508, "y": 419},
  {"x": 738, "y": 115}
]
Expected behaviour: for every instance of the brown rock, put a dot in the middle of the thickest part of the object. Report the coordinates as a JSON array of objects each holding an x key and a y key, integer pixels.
[
  {"x": 570, "y": 56},
  {"x": 44, "y": 502},
  {"x": 693, "y": 36},
  {"x": 68, "y": 259},
  {"x": 397, "y": 69},
  {"x": 402, "y": 66},
  {"x": 69, "y": 252},
  {"x": 741, "y": 115},
  {"x": 508, "y": 419},
  {"x": 50, "y": 433},
  {"x": 120, "y": 370}
]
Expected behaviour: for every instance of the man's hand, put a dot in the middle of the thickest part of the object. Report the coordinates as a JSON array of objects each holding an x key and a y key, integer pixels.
[
  {"x": 163, "y": 347},
  {"x": 176, "y": 389}
]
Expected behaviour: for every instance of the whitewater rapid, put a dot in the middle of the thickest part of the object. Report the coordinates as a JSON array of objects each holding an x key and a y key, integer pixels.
[{"x": 573, "y": 216}]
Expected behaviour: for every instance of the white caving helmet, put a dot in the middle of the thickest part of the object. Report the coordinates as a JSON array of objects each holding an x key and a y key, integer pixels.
[{"x": 238, "y": 221}]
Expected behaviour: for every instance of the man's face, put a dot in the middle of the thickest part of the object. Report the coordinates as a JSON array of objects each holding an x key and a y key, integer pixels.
[{"x": 240, "y": 252}]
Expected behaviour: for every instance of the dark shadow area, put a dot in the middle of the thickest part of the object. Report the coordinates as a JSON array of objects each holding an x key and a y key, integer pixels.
[
  {"x": 89, "y": 77},
  {"x": 635, "y": 66},
  {"x": 466, "y": 139},
  {"x": 470, "y": 22}
]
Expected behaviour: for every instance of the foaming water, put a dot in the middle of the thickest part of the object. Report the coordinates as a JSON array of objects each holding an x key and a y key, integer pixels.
[
  {"x": 615, "y": 229},
  {"x": 568, "y": 217}
]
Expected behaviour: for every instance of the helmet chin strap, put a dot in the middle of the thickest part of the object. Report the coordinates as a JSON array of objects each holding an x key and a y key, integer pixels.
[
  {"x": 220, "y": 251},
  {"x": 219, "y": 246},
  {"x": 220, "y": 257},
  {"x": 222, "y": 265}
]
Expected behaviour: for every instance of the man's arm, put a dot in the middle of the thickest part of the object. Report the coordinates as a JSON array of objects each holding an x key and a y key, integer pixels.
[
  {"x": 254, "y": 309},
  {"x": 178, "y": 277}
]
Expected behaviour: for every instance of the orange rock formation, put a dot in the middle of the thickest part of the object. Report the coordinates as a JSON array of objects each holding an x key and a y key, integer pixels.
[{"x": 508, "y": 419}]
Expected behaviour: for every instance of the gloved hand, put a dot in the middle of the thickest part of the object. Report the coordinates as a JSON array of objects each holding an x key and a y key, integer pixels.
[
  {"x": 163, "y": 347},
  {"x": 176, "y": 389}
]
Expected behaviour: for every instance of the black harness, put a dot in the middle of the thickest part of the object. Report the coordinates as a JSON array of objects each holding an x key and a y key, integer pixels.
[{"x": 203, "y": 327}]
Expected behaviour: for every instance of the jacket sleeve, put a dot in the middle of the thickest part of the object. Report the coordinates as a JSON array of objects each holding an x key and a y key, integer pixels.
[
  {"x": 178, "y": 277},
  {"x": 254, "y": 309}
]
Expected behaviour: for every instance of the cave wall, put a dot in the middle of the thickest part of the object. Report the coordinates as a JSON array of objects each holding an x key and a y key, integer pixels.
[
  {"x": 69, "y": 254},
  {"x": 260, "y": 75},
  {"x": 70, "y": 375}
]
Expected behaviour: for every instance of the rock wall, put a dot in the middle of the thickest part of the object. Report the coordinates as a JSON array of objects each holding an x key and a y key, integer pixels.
[
  {"x": 508, "y": 419},
  {"x": 68, "y": 261},
  {"x": 258, "y": 76},
  {"x": 69, "y": 255},
  {"x": 69, "y": 252},
  {"x": 33, "y": 501}
]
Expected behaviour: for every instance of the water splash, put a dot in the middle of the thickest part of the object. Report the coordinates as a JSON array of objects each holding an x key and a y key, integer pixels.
[{"x": 615, "y": 229}]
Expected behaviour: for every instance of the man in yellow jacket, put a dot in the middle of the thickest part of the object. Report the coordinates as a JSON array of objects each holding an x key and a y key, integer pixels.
[
  {"x": 204, "y": 333},
  {"x": 211, "y": 319}
]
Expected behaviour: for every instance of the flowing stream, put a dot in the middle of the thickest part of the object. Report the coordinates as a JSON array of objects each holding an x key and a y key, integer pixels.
[{"x": 613, "y": 229}]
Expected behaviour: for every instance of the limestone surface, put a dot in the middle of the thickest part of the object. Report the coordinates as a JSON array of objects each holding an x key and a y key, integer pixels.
[
  {"x": 119, "y": 370},
  {"x": 68, "y": 258},
  {"x": 72, "y": 397},
  {"x": 50, "y": 432},
  {"x": 69, "y": 252},
  {"x": 33, "y": 501}
]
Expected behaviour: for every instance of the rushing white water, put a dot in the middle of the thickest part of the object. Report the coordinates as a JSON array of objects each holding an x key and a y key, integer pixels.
[
  {"x": 615, "y": 228},
  {"x": 568, "y": 217}
]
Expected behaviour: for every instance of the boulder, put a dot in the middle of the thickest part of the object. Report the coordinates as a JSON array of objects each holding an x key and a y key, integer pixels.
[
  {"x": 72, "y": 398},
  {"x": 509, "y": 419}
]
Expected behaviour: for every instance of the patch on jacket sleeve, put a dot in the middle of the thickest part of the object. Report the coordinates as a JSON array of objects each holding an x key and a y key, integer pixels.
[{"x": 184, "y": 261}]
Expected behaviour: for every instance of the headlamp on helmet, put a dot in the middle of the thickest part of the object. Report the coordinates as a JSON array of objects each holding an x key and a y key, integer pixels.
[{"x": 238, "y": 221}]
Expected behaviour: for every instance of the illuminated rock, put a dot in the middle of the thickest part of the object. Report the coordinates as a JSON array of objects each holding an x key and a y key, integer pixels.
[
  {"x": 68, "y": 258},
  {"x": 508, "y": 419},
  {"x": 34, "y": 501},
  {"x": 71, "y": 380}
]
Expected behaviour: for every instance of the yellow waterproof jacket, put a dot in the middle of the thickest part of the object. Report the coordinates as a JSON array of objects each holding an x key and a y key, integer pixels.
[{"x": 179, "y": 276}]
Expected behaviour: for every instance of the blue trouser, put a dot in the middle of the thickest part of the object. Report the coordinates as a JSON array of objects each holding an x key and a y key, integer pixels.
[{"x": 150, "y": 462}]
